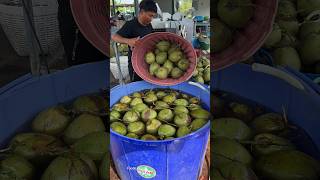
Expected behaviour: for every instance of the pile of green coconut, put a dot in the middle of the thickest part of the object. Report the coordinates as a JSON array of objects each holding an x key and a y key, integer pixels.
[
  {"x": 295, "y": 39},
  {"x": 157, "y": 114},
  {"x": 249, "y": 142},
  {"x": 167, "y": 60},
  {"x": 202, "y": 72},
  {"x": 228, "y": 17},
  {"x": 66, "y": 142}
]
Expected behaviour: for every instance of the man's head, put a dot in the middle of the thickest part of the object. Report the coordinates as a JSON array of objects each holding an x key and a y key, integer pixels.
[{"x": 148, "y": 10}]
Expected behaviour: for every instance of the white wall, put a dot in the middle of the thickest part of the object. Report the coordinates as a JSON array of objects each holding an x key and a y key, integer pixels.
[{"x": 203, "y": 8}]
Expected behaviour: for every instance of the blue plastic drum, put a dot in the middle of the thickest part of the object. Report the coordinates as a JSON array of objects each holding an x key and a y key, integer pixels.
[
  {"x": 176, "y": 159},
  {"x": 24, "y": 98},
  {"x": 276, "y": 89}
]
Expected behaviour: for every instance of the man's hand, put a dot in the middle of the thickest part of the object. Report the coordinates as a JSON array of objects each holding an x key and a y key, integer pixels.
[{"x": 132, "y": 41}]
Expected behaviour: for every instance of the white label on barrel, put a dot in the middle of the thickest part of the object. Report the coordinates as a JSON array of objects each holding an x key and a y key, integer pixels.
[{"x": 146, "y": 171}]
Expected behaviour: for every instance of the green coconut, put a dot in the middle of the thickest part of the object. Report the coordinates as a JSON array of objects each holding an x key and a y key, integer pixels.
[
  {"x": 287, "y": 40},
  {"x": 231, "y": 128},
  {"x": 200, "y": 114},
  {"x": 119, "y": 128},
  {"x": 197, "y": 124},
  {"x": 139, "y": 107},
  {"x": 241, "y": 111},
  {"x": 288, "y": 165},
  {"x": 222, "y": 37},
  {"x": 120, "y": 107},
  {"x": 176, "y": 73},
  {"x": 104, "y": 167},
  {"x": 159, "y": 105},
  {"x": 206, "y": 75},
  {"x": 310, "y": 25},
  {"x": 125, "y": 100},
  {"x": 181, "y": 102},
  {"x": 81, "y": 126},
  {"x": 166, "y": 130},
  {"x": 165, "y": 115},
  {"x": 239, "y": 171},
  {"x": 152, "y": 126},
  {"x": 163, "y": 45},
  {"x": 137, "y": 128},
  {"x": 268, "y": 123},
  {"x": 131, "y": 116},
  {"x": 161, "y": 94},
  {"x": 170, "y": 98},
  {"x": 136, "y": 101},
  {"x": 16, "y": 167},
  {"x": 305, "y": 7},
  {"x": 175, "y": 56},
  {"x": 183, "y": 131},
  {"x": 286, "y": 10},
  {"x": 169, "y": 65},
  {"x": 180, "y": 109},
  {"x": 183, "y": 64},
  {"x": 274, "y": 37},
  {"x": 150, "y": 57},
  {"x": 150, "y": 97},
  {"x": 199, "y": 79},
  {"x": 161, "y": 57},
  {"x": 309, "y": 49},
  {"x": 38, "y": 148},
  {"x": 148, "y": 114},
  {"x": 268, "y": 143},
  {"x": 153, "y": 67},
  {"x": 86, "y": 103},
  {"x": 51, "y": 121},
  {"x": 149, "y": 137},
  {"x": 162, "y": 73},
  {"x": 287, "y": 56},
  {"x": 71, "y": 167},
  {"x": 289, "y": 26},
  {"x": 226, "y": 150},
  {"x": 182, "y": 119},
  {"x": 235, "y": 13},
  {"x": 94, "y": 145},
  {"x": 215, "y": 174}
]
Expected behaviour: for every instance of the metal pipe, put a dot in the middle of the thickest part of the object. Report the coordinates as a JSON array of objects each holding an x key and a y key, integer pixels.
[{"x": 34, "y": 50}]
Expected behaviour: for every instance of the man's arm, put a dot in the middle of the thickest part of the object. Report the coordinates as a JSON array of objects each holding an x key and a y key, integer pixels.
[{"x": 130, "y": 41}]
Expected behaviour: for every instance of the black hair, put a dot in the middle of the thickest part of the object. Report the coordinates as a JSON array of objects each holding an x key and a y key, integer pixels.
[{"x": 148, "y": 5}]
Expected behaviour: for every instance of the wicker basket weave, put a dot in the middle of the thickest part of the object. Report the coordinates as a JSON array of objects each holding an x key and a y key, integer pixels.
[
  {"x": 45, "y": 14},
  {"x": 249, "y": 39}
]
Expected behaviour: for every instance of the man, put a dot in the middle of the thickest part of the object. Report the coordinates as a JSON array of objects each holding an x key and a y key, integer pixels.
[
  {"x": 77, "y": 48},
  {"x": 132, "y": 30}
]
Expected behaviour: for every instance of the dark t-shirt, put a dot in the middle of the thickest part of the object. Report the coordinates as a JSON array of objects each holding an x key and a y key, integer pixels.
[{"x": 133, "y": 29}]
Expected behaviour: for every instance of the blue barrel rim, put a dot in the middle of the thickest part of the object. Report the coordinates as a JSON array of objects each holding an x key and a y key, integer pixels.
[{"x": 192, "y": 135}]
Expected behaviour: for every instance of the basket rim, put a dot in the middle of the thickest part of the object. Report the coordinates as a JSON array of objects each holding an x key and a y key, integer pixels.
[
  {"x": 86, "y": 25},
  {"x": 136, "y": 67},
  {"x": 241, "y": 55}
]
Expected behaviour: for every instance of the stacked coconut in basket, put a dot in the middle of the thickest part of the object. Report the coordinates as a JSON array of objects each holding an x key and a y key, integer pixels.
[
  {"x": 295, "y": 39},
  {"x": 239, "y": 29}
]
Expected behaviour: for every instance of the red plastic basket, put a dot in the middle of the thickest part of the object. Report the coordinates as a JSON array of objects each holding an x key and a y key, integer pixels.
[
  {"x": 249, "y": 39},
  {"x": 92, "y": 19},
  {"x": 147, "y": 43}
]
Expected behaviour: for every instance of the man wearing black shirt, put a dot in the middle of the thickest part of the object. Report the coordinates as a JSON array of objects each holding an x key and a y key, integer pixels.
[
  {"x": 77, "y": 48},
  {"x": 132, "y": 30}
]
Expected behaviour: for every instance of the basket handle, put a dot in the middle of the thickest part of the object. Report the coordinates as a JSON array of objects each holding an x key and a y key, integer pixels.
[
  {"x": 199, "y": 86},
  {"x": 279, "y": 74}
]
